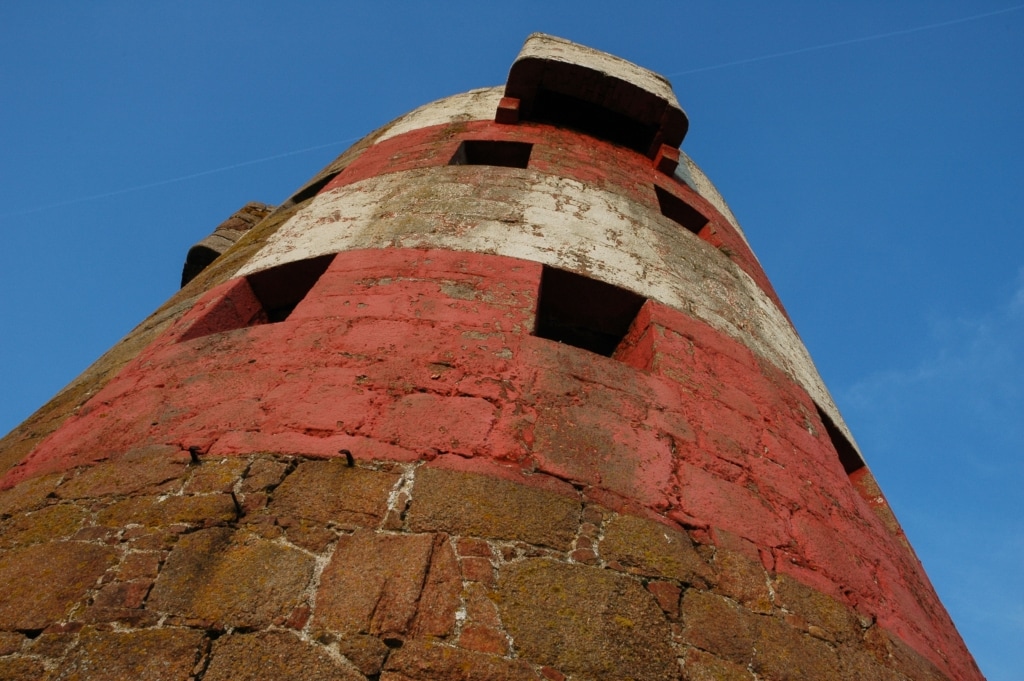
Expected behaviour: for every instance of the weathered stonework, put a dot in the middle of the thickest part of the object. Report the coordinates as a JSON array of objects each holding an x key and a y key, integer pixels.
[
  {"x": 352, "y": 448},
  {"x": 416, "y": 600}
]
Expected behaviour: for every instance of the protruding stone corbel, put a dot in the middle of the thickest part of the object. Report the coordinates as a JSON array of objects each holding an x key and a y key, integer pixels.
[
  {"x": 508, "y": 111},
  {"x": 667, "y": 159}
]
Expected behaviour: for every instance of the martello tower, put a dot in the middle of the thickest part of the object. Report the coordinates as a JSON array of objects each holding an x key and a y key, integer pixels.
[{"x": 501, "y": 393}]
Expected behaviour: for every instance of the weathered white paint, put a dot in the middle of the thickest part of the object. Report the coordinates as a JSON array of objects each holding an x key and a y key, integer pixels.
[
  {"x": 475, "y": 105},
  {"x": 480, "y": 105},
  {"x": 556, "y": 221}
]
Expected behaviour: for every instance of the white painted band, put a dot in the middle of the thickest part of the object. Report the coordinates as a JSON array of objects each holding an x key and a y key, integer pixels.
[
  {"x": 475, "y": 105},
  {"x": 559, "y": 222},
  {"x": 480, "y": 105}
]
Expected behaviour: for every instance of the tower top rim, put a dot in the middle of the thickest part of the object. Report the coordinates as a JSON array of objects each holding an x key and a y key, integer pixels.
[{"x": 552, "y": 74}]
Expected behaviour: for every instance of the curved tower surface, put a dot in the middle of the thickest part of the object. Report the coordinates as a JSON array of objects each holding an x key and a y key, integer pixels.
[{"x": 501, "y": 393}]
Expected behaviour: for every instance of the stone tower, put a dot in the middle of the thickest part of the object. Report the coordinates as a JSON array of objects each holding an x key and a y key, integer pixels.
[{"x": 502, "y": 393}]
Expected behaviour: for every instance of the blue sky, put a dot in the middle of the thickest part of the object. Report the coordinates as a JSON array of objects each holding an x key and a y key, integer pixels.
[{"x": 872, "y": 151}]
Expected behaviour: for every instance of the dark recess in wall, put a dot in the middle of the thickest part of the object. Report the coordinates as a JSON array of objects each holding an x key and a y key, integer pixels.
[
  {"x": 566, "y": 111},
  {"x": 265, "y": 297},
  {"x": 308, "y": 192},
  {"x": 281, "y": 288},
  {"x": 680, "y": 212},
  {"x": 492, "y": 153},
  {"x": 584, "y": 312},
  {"x": 848, "y": 456}
]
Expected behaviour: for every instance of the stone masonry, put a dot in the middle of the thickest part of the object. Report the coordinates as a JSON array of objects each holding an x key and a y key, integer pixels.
[{"x": 270, "y": 566}]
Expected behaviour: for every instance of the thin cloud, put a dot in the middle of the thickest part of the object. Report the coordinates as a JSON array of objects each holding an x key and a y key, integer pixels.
[
  {"x": 984, "y": 351},
  {"x": 958, "y": 408}
]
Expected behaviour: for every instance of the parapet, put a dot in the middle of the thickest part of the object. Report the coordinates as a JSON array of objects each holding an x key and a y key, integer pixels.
[{"x": 559, "y": 82}]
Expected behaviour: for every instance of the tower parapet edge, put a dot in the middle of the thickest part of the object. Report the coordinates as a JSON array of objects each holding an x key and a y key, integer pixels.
[{"x": 501, "y": 393}]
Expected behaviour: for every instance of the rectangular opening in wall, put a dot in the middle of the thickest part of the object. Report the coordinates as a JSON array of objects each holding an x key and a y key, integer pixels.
[
  {"x": 680, "y": 212},
  {"x": 265, "y": 297},
  {"x": 848, "y": 455},
  {"x": 492, "y": 153},
  {"x": 308, "y": 192},
  {"x": 584, "y": 312},
  {"x": 281, "y": 288}
]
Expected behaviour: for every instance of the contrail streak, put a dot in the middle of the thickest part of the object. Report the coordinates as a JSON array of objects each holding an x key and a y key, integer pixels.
[
  {"x": 851, "y": 41},
  {"x": 172, "y": 180}
]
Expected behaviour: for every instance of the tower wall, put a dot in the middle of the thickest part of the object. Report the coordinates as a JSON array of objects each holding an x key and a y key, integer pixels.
[{"x": 497, "y": 395}]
